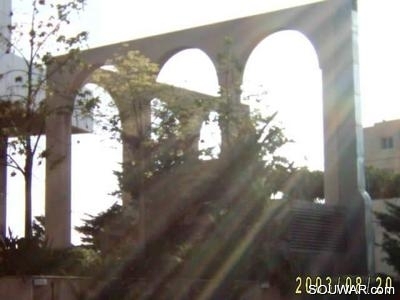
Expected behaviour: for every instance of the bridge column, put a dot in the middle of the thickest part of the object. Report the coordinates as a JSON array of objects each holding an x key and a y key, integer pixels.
[
  {"x": 191, "y": 130},
  {"x": 3, "y": 185},
  {"x": 234, "y": 116},
  {"x": 344, "y": 170},
  {"x": 136, "y": 126},
  {"x": 135, "y": 117},
  {"x": 58, "y": 173}
]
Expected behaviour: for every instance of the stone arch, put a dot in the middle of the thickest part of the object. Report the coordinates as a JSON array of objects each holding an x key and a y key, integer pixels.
[
  {"x": 90, "y": 79},
  {"x": 194, "y": 66},
  {"x": 60, "y": 146},
  {"x": 92, "y": 179},
  {"x": 192, "y": 57},
  {"x": 169, "y": 54},
  {"x": 130, "y": 129},
  {"x": 86, "y": 76},
  {"x": 265, "y": 33},
  {"x": 307, "y": 42},
  {"x": 77, "y": 82}
]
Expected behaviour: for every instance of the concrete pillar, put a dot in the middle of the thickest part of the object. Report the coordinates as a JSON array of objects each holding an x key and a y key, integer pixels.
[
  {"x": 3, "y": 185},
  {"x": 191, "y": 128},
  {"x": 234, "y": 116},
  {"x": 344, "y": 185},
  {"x": 136, "y": 126},
  {"x": 58, "y": 175},
  {"x": 194, "y": 131},
  {"x": 5, "y": 21}
]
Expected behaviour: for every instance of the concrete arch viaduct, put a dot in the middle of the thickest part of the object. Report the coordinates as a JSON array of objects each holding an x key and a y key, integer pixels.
[{"x": 332, "y": 29}]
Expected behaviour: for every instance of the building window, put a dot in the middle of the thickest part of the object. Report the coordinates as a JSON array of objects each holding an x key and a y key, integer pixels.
[{"x": 387, "y": 143}]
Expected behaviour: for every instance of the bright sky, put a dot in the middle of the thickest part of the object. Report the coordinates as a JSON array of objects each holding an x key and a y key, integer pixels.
[
  {"x": 110, "y": 22},
  {"x": 284, "y": 65}
]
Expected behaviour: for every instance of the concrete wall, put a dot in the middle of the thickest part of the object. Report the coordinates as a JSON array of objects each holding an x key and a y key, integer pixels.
[
  {"x": 42, "y": 288},
  {"x": 16, "y": 288},
  {"x": 71, "y": 288}
]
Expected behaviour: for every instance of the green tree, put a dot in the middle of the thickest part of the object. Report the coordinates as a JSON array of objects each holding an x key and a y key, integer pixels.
[
  {"x": 32, "y": 256},
  {"x": 382, "y": 184},
  {"x": 187, "y": 206},
  {"x": 33, "y": 43},
  {"x": 303, "y": 184},
  {"x": 137, "y": 75},
  {"x": 151, "y": 149},
  {"x": 390, "y": 221}
]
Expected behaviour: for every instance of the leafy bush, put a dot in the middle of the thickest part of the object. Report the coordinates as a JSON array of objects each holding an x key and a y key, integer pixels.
[{"x": 34, "y": 256}]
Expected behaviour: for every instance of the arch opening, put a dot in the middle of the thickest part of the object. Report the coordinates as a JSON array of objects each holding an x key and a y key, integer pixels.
[
  {"x": 190, "y": 69},
  {"x": 282, "y": 75},
  {"x": 210, "y": 137},
  {"x": 193, "y": 70},
  {"x": 93, "y": 180}
]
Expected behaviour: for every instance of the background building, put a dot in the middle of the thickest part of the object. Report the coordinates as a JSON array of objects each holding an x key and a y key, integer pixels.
[
  {"x": 382, "y": 151},
  {"x": 382, "y": 145}
]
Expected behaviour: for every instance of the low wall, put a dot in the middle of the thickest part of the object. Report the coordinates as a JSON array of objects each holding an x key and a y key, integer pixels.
[
  {"x": 16, "y": 288},
  {"x": 73, "y": 288},
  {"x": 42, "y": 288}
]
